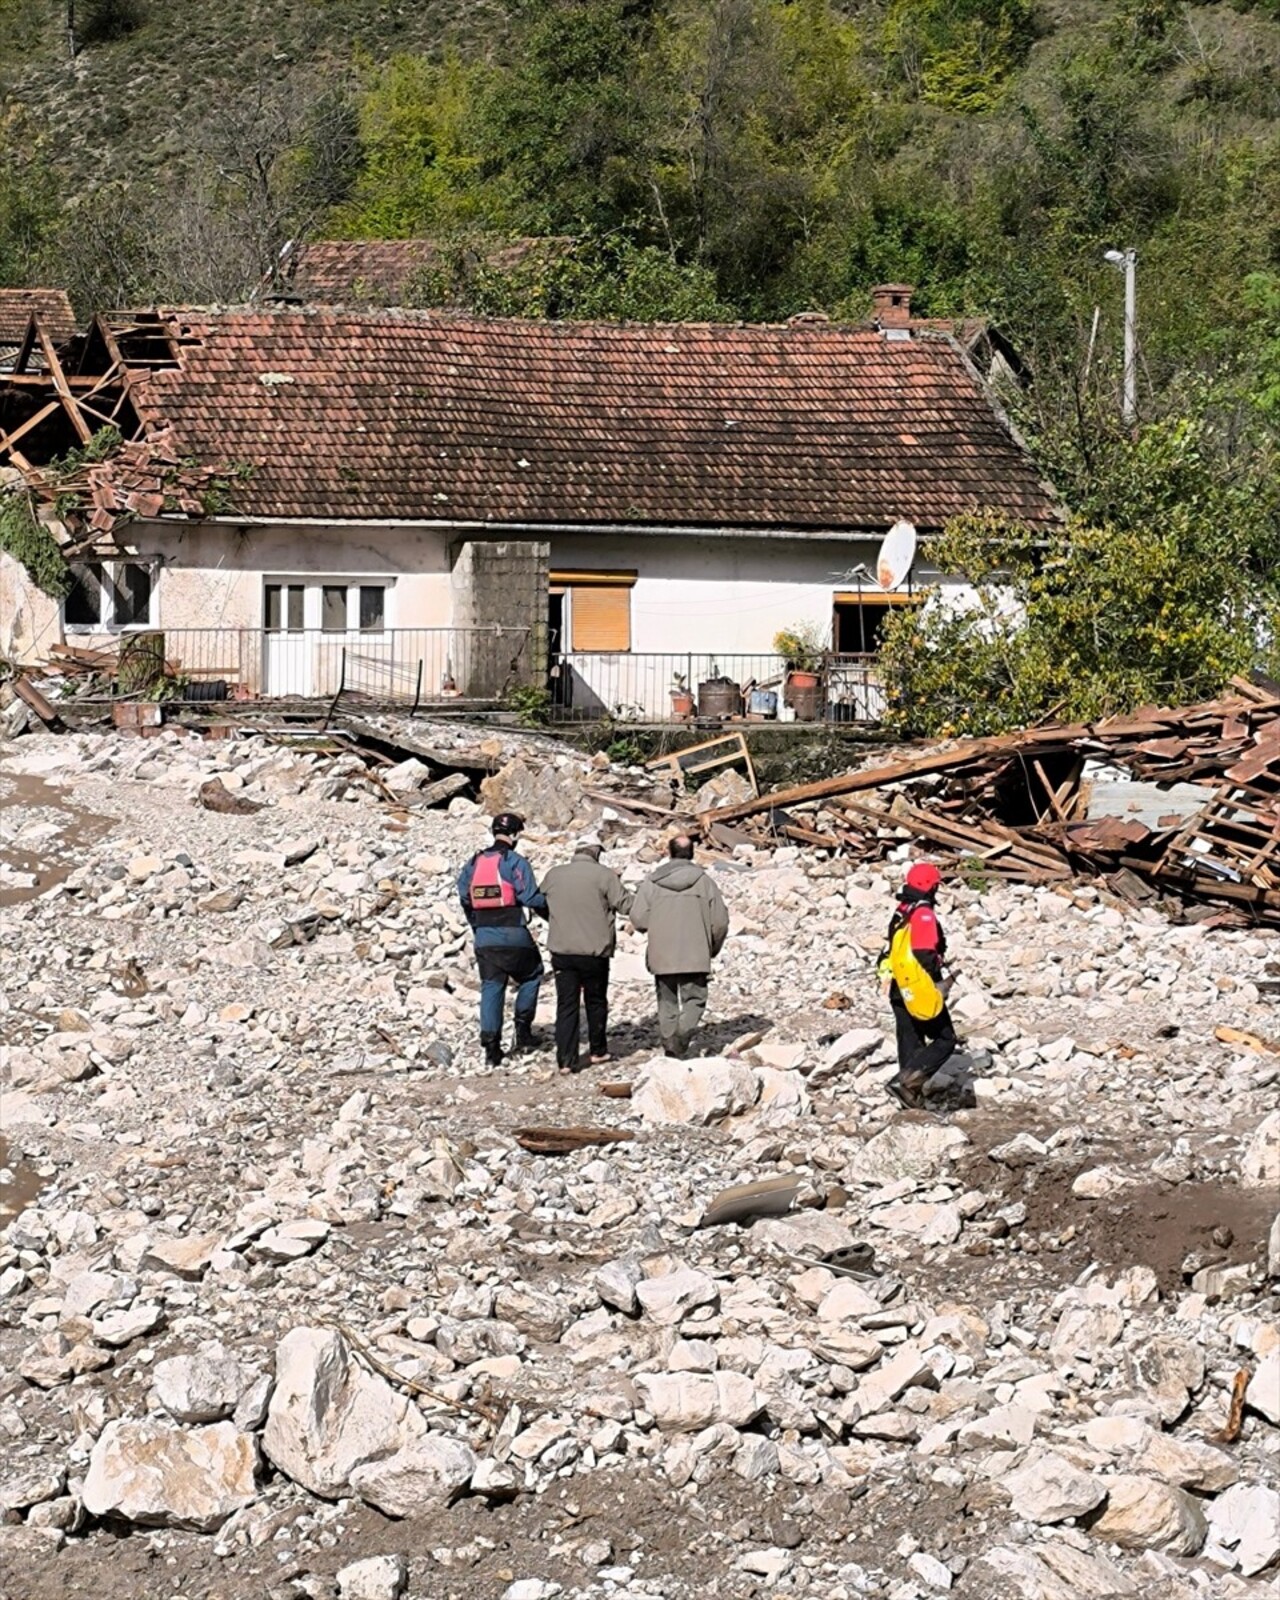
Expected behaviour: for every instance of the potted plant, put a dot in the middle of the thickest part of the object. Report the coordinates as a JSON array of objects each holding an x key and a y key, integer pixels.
[
  {"x": 802, "y": 647},
  {"x": 681, "y": 699}
]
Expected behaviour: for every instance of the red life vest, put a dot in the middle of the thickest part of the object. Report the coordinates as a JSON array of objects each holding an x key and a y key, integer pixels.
[{"x": 490, "y": 891}]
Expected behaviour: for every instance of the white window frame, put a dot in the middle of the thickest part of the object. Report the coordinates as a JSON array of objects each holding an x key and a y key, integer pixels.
[
  {"x": 313, "y": 585},
  {"x": 106, "y": 598}
]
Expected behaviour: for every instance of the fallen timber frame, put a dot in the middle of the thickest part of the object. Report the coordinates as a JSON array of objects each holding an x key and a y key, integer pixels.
[{"x": 1022, "y": 806}]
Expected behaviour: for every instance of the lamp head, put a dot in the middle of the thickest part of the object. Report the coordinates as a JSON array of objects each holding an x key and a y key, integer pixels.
[{"x": 1114, "y": 256}]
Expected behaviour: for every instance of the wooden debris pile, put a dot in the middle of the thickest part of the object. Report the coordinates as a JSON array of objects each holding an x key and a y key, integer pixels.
[{"x": 1178, "y": 801}]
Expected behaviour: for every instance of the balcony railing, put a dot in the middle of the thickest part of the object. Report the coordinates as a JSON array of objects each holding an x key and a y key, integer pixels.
[
  {"x": 414, "y": 667},
  {"x": 639, "y": 687},
  {"x": 394, "y": 666}
]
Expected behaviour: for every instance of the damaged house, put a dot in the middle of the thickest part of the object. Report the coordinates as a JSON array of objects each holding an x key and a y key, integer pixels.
[{"x": 430, "y": 504}]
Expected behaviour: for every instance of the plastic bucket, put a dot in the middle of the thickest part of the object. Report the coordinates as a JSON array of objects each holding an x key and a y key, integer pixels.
[{"x": 764, "y": 703}]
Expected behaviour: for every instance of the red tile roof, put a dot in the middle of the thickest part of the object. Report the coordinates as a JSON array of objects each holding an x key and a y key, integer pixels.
[
  {"x": 52, "y": 306},
  {"x": 377, "y": 272},
  {"x": 423, "y": 416}
]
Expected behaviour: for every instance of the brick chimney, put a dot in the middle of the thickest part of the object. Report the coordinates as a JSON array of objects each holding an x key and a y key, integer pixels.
[{"x": 892, "y": 305}]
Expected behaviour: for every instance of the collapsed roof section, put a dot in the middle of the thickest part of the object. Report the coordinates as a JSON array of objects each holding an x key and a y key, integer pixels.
[{"x": 74, "y": 433}]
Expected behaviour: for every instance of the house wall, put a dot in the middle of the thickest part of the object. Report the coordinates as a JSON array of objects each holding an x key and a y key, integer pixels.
[
  {"x": 210, "y": 576},
  {"x": 720, "y": 594},
  {"x": 501, "y": 583},
  {"x": 698, "y": 604},
  {"x": 708, "y": 606}
]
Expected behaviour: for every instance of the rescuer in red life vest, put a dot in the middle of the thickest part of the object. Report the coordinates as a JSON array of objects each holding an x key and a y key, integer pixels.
[
  {"x": 498, "y": 889},
  {"x": 923, "y": 1047}
]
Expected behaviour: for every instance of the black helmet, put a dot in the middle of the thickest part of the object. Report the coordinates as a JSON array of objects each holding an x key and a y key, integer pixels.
[{"x": 507, "y": 825}]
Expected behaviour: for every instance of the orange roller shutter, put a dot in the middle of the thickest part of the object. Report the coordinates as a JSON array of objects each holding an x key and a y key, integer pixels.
[{"x": 601, "y": 618}]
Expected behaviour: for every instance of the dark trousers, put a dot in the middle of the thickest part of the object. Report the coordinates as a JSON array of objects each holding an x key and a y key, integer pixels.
[
  {"x": 500, "y": 965},
  {"x": 923, "y": 1047},
  {"x": 581, "y": 980},
  {"x": 682, "y": 999}
]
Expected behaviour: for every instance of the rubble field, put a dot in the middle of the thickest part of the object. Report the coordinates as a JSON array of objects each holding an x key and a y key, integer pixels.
[{"x": 289, "y": 1308}]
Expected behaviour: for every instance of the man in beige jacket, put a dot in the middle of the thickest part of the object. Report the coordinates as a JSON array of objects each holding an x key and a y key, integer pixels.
[
  {"x": 683, "y": 913},
  {"x": 583, "y": 900}
]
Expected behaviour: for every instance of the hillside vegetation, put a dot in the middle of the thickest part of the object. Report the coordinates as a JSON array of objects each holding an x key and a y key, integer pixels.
[{"x": 733, "y": 158}]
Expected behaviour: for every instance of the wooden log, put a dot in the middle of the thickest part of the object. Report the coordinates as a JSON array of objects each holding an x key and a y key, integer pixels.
[
  {"x": 27, "y": 692},
  {"x": 563, "y": 1141}
]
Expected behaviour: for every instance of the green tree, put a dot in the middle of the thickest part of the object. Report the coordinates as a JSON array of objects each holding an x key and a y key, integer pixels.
[
  {"x": 589, "y": 279},
  {"x": 1164, "y": 585}
]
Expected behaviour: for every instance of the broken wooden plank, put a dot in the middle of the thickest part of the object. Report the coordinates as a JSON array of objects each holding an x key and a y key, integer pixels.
[
  {"x": 406, "y": 745},
  {"x": 563, "y": 1141}
]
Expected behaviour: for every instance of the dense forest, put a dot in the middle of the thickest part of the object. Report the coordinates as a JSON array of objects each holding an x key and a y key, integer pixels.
[{"x": 752, "y": 159}]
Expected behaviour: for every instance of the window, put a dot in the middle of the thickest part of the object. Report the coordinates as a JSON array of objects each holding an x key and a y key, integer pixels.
[
  {"x": 83, "y": 606},
  {"x": 859, "y": 619},
  {"x": 284, "y": 607},
  {"x": 109, "y": 594},
  {"x": 599, "y": 609},
  {"x": 373, "y": 608},
  {"x": 333, "y": 608}
]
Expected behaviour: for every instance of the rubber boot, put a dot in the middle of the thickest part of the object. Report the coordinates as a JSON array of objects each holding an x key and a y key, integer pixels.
[
  {"x": 907, "y": 1091},
  {"x": 525, "y": 1040},
  {"x": 492, "y": 1048}
]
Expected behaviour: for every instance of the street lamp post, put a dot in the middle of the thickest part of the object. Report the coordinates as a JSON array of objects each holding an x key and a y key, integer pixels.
[{"x": 1128, "y": 259}]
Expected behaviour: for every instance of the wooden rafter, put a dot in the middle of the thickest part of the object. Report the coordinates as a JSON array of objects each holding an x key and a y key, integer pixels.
[{"x": 83, "y": 430}]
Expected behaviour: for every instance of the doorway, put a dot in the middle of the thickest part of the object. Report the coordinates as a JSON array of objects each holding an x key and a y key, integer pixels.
[{"x": 309, "y": 622}]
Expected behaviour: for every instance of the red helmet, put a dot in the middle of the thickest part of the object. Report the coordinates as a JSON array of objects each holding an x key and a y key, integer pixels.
[{"x": 924, "y": 877}]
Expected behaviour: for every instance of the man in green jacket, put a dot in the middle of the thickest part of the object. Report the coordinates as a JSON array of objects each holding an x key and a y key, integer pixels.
[
  {"x": 583, "y": 900},
  {"x": 682, "y": 911}
]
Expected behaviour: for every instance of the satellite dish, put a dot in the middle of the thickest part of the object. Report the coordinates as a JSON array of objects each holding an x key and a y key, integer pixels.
[{"x": 896, "y": 555}]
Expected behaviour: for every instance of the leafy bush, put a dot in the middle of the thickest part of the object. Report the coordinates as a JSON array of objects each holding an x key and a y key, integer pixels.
[
  {"x": 30, "y": 543},
  {"x": 1167, "y": 591}
]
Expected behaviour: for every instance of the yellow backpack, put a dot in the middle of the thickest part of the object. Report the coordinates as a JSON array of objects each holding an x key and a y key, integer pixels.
[{"x": 920, "y": 994}]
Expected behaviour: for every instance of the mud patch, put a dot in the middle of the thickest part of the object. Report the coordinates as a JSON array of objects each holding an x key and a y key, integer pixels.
[
  {"x": 20, "y": 1185},
  {"x": 1156, "y": 1225},
  {"x": 42, "y": 837}
]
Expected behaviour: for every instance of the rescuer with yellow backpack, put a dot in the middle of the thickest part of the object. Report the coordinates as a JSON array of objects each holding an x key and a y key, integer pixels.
[{"x": 910, "y": 972}]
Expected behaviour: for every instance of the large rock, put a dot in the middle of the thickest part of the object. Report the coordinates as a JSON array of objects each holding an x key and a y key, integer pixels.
[
  {"x": 1263, "y": 1393},
  {"x": 536, "y": 1315},
  {"x": 1084, "y": 1331},
  {"x": 374, "y": 1578},
  {"x": 1047, "y": 1488},
  {"x": 202, "y": 1387},
  {"x": 1244, "y": 1528},
  {"x": 534, "y": 787},
  {"x": 1053, "y": 1572},
  {"x": 1260, "y": 1161},
  {"x": 1167, "y": 1371},
  {"x": 328, "y": 1415},
  {"x": 687, "y": 1402},
  {"x": 695, "y": 1092},
  {"x": 907, "y": 1368},
  {"x": 1186, "y": 1462},
  {"x": 783, "y": 1098},
  {"x": 669, "y": 1298},
  {"x": 149, "y": 1473},
  {"x": 424, "y": 1477},
  {"x": 1145, "y": 1514},
  {"x": 850, "y": 1048},
  {"x": 905, "y": 1150},
  {"x": 187, "y": 1257}
]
